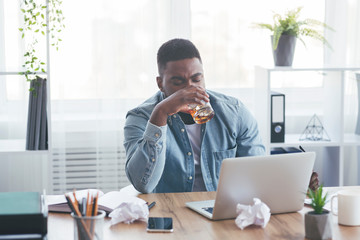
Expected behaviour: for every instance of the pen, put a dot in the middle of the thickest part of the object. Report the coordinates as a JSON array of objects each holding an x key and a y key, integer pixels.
[
  {"x": 301, "y": 148},
  {"x": 83, "y": 203},
  {"x": 151, "y": 205}
]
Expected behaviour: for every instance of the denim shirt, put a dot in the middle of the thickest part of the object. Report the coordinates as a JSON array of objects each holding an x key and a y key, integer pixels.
[{"x": 160, "y": 159}]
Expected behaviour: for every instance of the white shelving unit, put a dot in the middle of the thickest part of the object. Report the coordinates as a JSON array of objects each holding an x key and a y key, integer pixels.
[{"x": 325, "y": 96}]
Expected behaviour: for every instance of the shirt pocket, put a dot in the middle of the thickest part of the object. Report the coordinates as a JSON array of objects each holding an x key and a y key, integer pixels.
[{"x": 219, "y": 156}]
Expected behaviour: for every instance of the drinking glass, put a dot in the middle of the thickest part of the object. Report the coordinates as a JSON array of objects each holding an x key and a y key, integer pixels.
[
  {"x": 201, "y": 113},
  {"x": 89, "y": 227}
]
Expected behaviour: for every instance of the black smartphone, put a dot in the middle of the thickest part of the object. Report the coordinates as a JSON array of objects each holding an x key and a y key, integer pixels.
[{"x": 160, "y": 224}]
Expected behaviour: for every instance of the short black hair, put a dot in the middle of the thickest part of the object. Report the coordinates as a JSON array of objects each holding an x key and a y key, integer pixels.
[{"x": 176, "y": 49}]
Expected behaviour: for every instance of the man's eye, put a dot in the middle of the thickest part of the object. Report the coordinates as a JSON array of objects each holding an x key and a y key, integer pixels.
[
  {"x": 196, "y": 80},
  {"x": 178, "y": 82}
]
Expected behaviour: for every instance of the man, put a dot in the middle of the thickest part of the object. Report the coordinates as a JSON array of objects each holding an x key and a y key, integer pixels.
[{"x": 166, "y": 151}]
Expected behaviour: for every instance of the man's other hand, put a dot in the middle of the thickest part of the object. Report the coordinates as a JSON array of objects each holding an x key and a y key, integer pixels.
[{"x": 314, "y": 181}]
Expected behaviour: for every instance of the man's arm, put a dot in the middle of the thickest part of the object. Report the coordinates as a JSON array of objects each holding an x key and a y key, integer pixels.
[{"x": 145, "y": 146}]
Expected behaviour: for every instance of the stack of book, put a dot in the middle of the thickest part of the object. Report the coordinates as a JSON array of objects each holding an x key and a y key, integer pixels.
[{"x": 23, "y": 215}]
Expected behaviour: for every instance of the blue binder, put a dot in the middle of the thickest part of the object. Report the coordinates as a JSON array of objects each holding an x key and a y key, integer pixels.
[{"x": 277, "y": 118}]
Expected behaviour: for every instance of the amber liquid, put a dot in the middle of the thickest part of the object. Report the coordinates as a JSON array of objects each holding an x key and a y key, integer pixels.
[{"x": 202, "y": 114}]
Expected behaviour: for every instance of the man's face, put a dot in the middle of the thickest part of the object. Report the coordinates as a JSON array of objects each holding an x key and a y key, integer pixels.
[{"x": 180, "y": 74}]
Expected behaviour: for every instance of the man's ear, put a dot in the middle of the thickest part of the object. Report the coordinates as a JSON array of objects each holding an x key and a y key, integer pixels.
[{"x": 160, "y": 83}]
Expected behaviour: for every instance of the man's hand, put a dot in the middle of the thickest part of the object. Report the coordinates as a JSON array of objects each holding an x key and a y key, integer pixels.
[
  {"x": 314, "y": 181},
  {"x": 178, "y": 102}
]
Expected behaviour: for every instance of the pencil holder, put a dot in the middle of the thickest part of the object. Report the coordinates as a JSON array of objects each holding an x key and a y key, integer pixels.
[{"x": 89, "y": 227}]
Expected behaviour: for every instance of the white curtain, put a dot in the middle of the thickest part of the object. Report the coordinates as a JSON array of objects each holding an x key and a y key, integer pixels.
[
  {"x": 105, "y": 66},
  {"x": 13, "y": 88},
  {"x": 345, "y": 18}
]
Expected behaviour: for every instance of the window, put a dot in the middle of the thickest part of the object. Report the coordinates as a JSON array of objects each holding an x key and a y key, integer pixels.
[
  {"x": 106, "y": 65},
  {"x": 231, "y": 46}
]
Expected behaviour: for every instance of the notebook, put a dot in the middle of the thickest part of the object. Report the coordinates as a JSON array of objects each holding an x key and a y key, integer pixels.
[
  {"x": 280, "y": 181},
  {"x": 107, "y": 201}
]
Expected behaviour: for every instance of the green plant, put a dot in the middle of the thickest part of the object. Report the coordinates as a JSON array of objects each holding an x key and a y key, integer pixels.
[
  {"x": 318, "y": 201},
  {"x": 291, "y": 25},
  {"x": 35, "y": 28}
]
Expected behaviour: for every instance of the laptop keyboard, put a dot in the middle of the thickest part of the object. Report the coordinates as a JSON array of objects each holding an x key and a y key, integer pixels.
[{"x": 208, "y": 209}]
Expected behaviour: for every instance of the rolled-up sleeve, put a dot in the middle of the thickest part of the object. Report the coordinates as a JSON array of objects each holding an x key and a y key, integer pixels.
[{"x": 145, "y": 145}]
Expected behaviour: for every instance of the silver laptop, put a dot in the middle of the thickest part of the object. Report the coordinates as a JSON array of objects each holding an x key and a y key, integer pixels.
[{"x": 281, "y": 181}]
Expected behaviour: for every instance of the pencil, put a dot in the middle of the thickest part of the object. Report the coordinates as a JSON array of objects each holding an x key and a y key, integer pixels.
[
  {"x": 91, "y": 205},
  {"x": 76, "y": 201},
  {"x": 94, "y": 213},
  {"x": 95, "y": 205},
  {"x": 88, "y": 210}
]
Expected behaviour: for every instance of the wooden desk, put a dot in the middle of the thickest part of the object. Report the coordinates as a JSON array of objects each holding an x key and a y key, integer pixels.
[{"x": 190, "y": 225}]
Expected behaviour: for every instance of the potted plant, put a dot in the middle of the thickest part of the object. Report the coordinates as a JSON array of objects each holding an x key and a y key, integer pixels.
[
  {"x": 43, "y": 20},
  {"x": 318, "y": 222},
  {"x": 286, "y": 29},
  {"x": 40, "y": 18}
]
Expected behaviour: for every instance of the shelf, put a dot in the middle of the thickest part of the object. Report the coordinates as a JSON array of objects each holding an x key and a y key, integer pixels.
[
  {"x": 16, "y": 146},
  {"x": 314, "y": 69},
  {"x": 292, "y": 140}
]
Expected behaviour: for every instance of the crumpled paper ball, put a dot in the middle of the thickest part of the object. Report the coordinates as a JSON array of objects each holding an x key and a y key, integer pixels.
[
  {"x": 132, "y": 209},
  {"x": 258, "y": 214}
]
